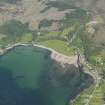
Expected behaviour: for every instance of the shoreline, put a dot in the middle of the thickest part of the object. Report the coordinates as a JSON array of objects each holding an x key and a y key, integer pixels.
[{"x": 59, "y": 57}]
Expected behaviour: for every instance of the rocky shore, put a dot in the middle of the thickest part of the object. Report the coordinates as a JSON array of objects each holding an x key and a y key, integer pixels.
[
  {"x": 62, "y": 59},
  {"x": 64, "y": 71}
]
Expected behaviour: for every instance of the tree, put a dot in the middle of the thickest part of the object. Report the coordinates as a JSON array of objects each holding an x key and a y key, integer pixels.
[{"x": 14, "y": 28}]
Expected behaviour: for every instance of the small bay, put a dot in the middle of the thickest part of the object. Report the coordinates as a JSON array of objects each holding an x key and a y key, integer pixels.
[{"x": 28, "y": 76}]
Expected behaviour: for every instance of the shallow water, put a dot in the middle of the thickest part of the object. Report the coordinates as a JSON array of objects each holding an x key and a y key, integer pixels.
[
  {"x": 20, "y": 70},
  {"x": 25, "y": 80}
]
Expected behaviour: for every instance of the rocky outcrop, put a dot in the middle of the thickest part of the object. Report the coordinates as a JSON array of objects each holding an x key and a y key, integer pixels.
[
  {"x": 62, "y": 59},
  {"x": 65, "y": 77}
]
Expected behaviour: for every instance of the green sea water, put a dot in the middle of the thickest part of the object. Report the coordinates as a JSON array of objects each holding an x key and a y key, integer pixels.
[
  {"x": 20, "y": 72},
  {"x": 26, "y": 79},
  {"x": 26, "y": 64}
]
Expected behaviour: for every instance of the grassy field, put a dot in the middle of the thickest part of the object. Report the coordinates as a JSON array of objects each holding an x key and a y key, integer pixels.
[
  {"x": 97, "y": 92},
  {"x": 27, "y": 38},
  {"x": 96, "y": 97},
  {"x": 48, "y": 35},
  {"x": 58, "y": 45}
]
